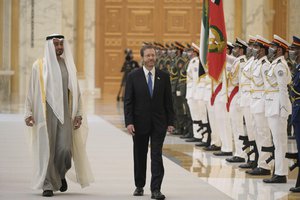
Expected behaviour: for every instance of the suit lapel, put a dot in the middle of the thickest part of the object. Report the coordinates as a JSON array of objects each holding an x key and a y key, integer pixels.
[{"x": 143, "y": 81}]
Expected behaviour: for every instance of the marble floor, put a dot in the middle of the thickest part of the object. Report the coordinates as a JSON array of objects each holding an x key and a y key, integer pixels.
[{"x": 211, "y": 170}]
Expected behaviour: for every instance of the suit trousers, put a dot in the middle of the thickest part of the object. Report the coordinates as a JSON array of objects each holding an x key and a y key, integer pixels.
[
  {"x": 278, "y": 126},
  {"x": 264, "y": 138},
  {"x": 140, "y": 150}
]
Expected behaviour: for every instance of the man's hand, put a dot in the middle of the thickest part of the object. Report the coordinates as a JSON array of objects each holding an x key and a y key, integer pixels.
[
  {"x": 29, "y": 121},
  {"x": 77, "y": 122},
  {"x": 170, "y": 129},
  {"x": 130, "y": 129}
]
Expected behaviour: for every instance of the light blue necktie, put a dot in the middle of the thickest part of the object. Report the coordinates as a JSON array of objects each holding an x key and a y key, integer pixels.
[{"x": 150, "y": 83}]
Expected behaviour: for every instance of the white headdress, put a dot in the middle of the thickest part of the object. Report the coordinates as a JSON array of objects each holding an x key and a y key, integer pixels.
[{"x": 53, "y": 78}]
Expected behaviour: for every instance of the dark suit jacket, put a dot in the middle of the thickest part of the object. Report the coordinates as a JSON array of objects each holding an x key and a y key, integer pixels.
[{"x": 144, "y": 112}]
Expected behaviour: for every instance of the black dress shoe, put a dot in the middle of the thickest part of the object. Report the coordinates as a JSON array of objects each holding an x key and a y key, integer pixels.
[
  {"x": 187, "y": 136},
  {"x": 47, "y": 193},
  {"x": 258, "y": 171},
  {"x": 157, "y": 195},
  {"x": 248, "y": 165},
  {"x": 295, "y": 189},
  {"x": 212, "y": 148},
  {"x": 201, "y": 144},
  {"x": 138, "y": 192},
  {"x": 276, "y": 179},
  {"x": 193, "y": 140},
  {"x": 222, "y": 153},
  {"x": 235, "y": 159},
  {"x": 64, "y": 185}
]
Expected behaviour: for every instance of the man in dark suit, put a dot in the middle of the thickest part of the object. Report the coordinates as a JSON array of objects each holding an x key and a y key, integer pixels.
[{"x": 149, "y": 115}]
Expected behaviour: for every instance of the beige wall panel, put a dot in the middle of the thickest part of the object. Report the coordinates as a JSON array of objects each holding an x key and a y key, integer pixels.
[
  {"x": 15, "y": 47},
  {"x": 127, "y": 24}
]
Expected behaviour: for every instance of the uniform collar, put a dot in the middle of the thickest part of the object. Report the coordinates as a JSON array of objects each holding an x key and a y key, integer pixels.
[
  {"x": 276, "y": 60},
  {"x": 261, "y": 59},
  {"x": 240, "y": 57}
]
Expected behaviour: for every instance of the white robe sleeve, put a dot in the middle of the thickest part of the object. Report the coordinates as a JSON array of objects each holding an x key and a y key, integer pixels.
[
  {"x": 79, "y": 109},
  {"x": 29, "y": 98}
]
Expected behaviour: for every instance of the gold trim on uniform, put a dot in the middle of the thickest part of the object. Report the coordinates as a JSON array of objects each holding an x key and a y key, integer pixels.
[{"x": 42, "y": 86}]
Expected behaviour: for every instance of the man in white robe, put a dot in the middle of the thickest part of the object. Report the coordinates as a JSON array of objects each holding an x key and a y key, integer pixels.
[{"x": 54, "y": 111}]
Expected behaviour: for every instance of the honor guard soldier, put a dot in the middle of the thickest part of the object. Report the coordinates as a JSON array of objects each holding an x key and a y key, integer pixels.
[
  {"x": 184, "y": 122},
  {"x": 244, "y": 88},
  {"x": 168, "y": 59},
  {"x": 202, "y": 127},
  {"x": 294, "y": 54},
  {"x": 233, "y": 107},
  {"x": 161, "y": 55},
  {"x": 278, "y": 106},
  {"x": 191, "y": 86},
  {"x": 174, "y": 75},
  {"x": 219, "y": 100},
  {"x": 214, "y": 137},
  {"x": 257, "y": 105}
]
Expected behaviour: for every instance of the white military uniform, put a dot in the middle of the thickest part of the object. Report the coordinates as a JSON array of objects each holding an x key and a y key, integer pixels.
[
  {"x": 257, "y": 108},
  {"x": 215, "y": 138},
  {"x": 235, "y": 113},
  {"x": 244, "y": 88},
  {"x": 222, "y": 116},
  {"x": 199, "y": 98},
  {"x": 197, "y": 107},
  {"x": 277, "y": 109}
]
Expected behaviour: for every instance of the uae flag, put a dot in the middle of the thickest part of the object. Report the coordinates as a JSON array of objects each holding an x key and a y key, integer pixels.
[
  {"x": 204, "y": 37},
  {"x": 216, "y": 57}
]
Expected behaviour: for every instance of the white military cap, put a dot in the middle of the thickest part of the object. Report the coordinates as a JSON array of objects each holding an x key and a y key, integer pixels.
[
  {"x": 278, "y": 41},
  {"x": 262, "y": 41}
]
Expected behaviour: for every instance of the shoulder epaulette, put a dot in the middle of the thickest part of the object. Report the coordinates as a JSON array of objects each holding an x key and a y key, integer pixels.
[
  {"x": 242, "y": 60},
  {"x": 279, "y": 61},
  {"x": 263, "y": 61}
]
